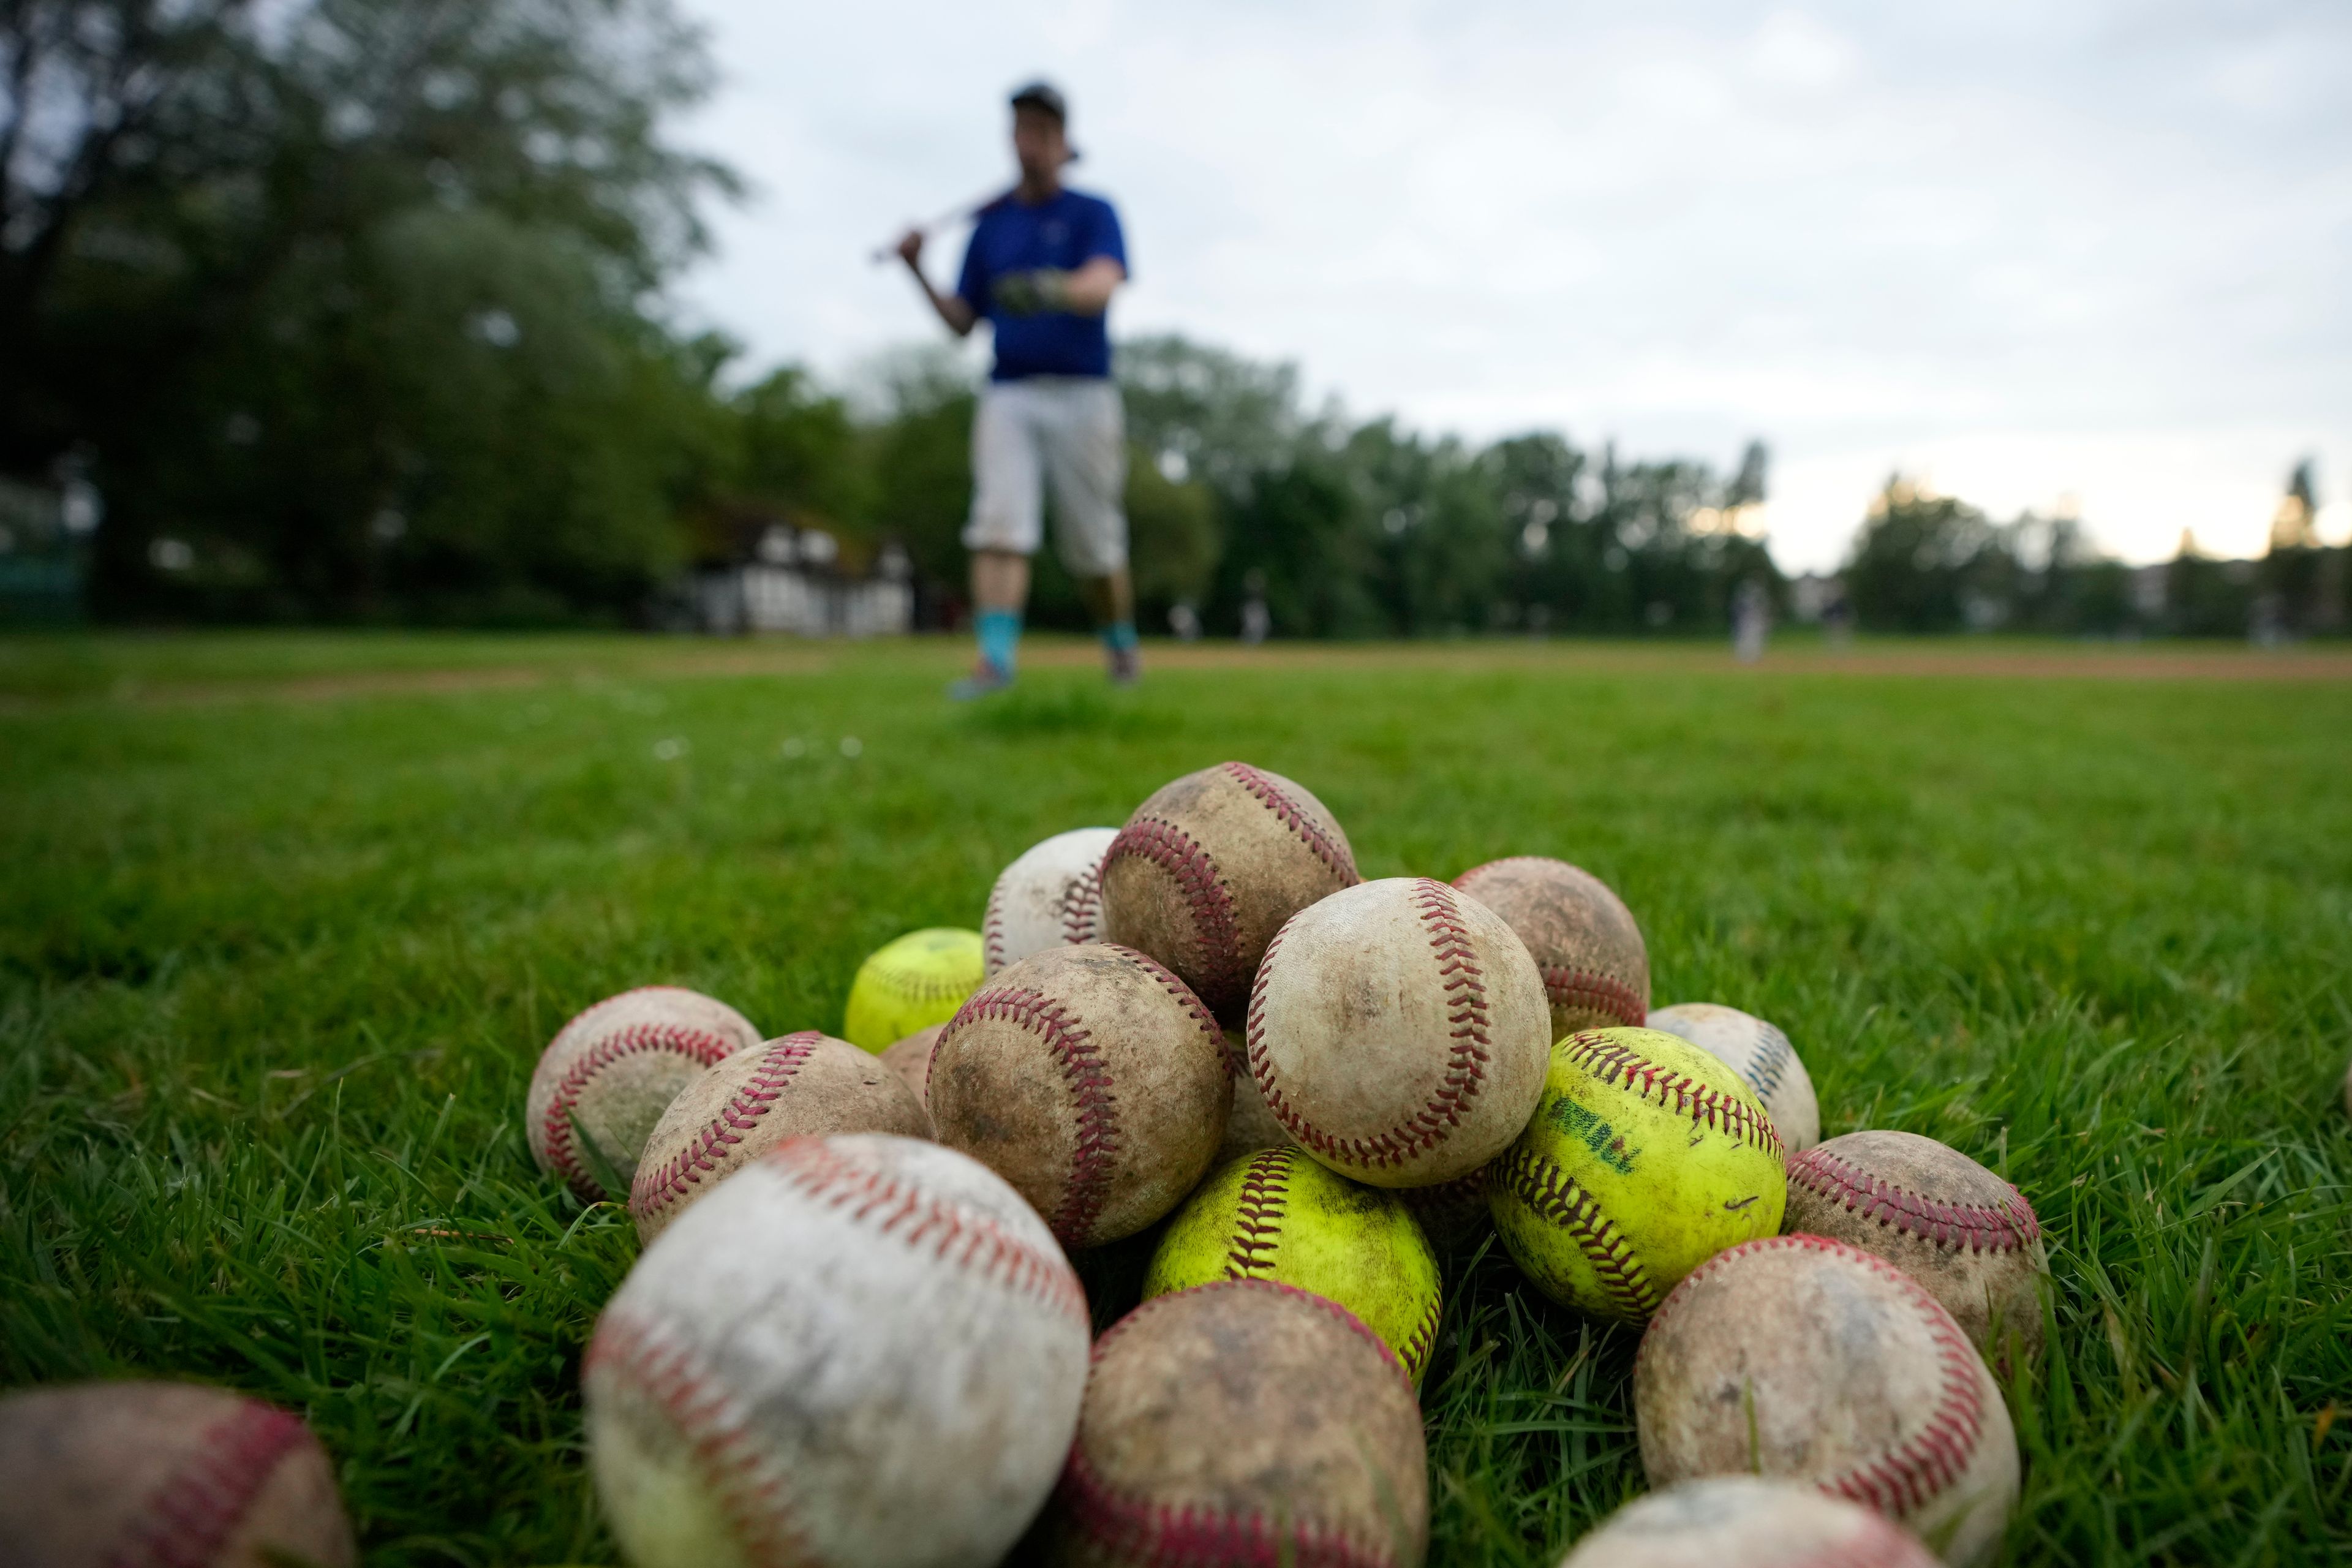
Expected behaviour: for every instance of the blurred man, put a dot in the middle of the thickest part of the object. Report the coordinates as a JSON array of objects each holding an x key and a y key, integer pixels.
[{"x": 1042, "y": 266}]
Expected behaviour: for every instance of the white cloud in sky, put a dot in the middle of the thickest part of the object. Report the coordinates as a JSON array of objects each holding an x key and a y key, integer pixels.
[{"x": 2032, "y": 250}]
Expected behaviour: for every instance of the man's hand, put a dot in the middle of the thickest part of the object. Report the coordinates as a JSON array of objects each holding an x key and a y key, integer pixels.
[
  {"x": 910, "y": 249},
  {"x": 1032, "y": 293}
]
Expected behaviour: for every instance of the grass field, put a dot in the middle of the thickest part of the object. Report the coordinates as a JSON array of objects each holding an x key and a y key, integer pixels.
[{"x": 288, "y": 919}]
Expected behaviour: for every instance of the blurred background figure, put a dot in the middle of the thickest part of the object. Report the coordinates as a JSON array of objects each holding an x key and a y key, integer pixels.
[
  {"x": 1040, "y": 269},
  {"x": 1751, "y": 618},
  {"x": 1257, "y": 621},
  {"x": 1837, "y": 620}
]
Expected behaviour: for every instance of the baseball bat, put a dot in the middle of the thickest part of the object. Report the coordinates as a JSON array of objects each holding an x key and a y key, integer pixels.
[{"x": 962, "y": 212}]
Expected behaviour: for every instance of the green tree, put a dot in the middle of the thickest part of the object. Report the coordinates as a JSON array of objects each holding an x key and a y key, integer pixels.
[
  {"x": 919, "y": 449},
  {"x": 803, "y": 451},
  {"x": 1922, "y": 562},
  {"x": 2289, "y": 575},
  {"x": 347, "y": 293},
  {"x": 1174, "y": 539}
]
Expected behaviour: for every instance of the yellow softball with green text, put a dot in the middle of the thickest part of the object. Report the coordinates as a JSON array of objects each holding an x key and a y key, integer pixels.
[{"x": 1646, "y": 1156}]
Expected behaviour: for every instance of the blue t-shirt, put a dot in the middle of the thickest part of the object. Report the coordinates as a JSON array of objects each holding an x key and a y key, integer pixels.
[{"x": 1067, "y": 232}]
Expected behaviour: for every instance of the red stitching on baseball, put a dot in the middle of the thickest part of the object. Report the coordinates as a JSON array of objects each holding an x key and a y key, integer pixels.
[
  {"x": 991, "y": 930},
  {"x": 1294, "y": 816},
  {"x": 1082, "y": 908},
  {"x": 1175, "y": 852},
  {"x": 701, "y": 1047},
  {"x": 734, "y": 1464},
  {"x": 1088, "y": 1075},
  {"x": 1606, "y": 1059},
  {"x": 957, "y": 1234},
  {"x": 1466, "y": 987},
  {"x": 1560, "y": 1200},
  {"x": 656, "y": 1189},
  {"x": 191, "y": 1514},
  {"x": 1979, "y": 1227},
  {"x": 1423, "y": 1338},
  {"x": 1257, "y": 1222},
  {"x": 1567, "y": 987},
  {"x": 1916, "y": 1469},
  {"x": 1174, "y": 984}
]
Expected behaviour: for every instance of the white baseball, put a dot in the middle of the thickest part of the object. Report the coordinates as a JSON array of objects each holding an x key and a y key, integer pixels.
[
  {"x": 1399, "y": 1032},
  {"x": 1050, "y": 897},
  {"x": 613, "y": 1069},
  {"x": 1762, "y": 1056},
  {"x": 1250, "y": 1126},
  {"x": 803, "y": 1084},
  {"x": 861, "y": 1349},
  {"x": 1800, "y": 1357},
  {"x": 1744, "y": 1521}
]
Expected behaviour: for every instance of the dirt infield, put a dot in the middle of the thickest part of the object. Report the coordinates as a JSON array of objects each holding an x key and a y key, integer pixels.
[{"x": 2038, "y": 662}]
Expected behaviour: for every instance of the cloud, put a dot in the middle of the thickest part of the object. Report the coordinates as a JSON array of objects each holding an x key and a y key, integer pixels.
[{"x": 2084, "y": 247}]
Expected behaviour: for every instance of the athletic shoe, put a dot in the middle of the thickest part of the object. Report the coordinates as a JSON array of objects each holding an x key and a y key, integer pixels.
[
  {"x": 1126, "y": 665},
  {"x": 986, "y": 676}
]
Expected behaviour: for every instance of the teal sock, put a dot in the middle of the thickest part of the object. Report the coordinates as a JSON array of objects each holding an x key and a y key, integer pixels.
[
  {"x": 999, "y": 635},
  {"x": 1120, "y": 637}
]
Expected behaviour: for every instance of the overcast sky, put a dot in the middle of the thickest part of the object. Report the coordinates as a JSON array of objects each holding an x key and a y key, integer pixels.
[{"x": 2030, "y": 251}]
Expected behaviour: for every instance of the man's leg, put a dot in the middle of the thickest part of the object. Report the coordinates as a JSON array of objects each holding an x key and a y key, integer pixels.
[
  {"x": 1000, "y": 592},
  {"x": 1007, "y": 506},
  {"x": 1084, "y": 442}
]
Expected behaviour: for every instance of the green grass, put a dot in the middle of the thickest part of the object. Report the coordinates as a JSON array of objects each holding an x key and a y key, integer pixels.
[{"x": 275, "y": 965}]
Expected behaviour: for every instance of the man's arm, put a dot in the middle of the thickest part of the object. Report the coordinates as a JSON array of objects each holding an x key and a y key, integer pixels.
[
  {"x": 1079, "y": 291},
  {"x": 953, "y": 310},
  {"x": 1087, "y": 289}
]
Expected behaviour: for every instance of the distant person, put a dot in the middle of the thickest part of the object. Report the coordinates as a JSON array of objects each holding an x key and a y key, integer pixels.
[
  {"x": 1042, "y": 265},
  {"x": 1837, "y": 618},
  {"x": 1257, "y": 621},
  {"x": 1751, "y": 618}
]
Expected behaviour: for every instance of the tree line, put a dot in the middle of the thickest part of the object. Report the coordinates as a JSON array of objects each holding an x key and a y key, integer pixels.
[{"x": 353, "y": 310}]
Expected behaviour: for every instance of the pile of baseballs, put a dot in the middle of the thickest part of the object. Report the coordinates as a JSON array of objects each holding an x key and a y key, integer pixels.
[{"x": 854, "y": 1334}]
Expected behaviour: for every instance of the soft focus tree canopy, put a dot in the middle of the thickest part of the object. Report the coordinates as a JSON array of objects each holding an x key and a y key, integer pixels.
[
  {"x": 354, "y": 309},
  {"x": 346, "y": 298}
]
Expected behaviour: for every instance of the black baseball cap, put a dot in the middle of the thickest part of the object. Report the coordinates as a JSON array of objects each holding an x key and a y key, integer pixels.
[{"x": 1044, "y": 95}]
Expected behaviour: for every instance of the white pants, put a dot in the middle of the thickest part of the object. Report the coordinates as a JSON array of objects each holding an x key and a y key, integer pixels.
[{"x": 1069, "y": 431}]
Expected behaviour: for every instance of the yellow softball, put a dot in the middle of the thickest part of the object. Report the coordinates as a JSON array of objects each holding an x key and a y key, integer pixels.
[
  {"x": 1277, "y": 1215},
  {"x": 1645, "y": 1158},
  {"x": 911, "y": 983}
]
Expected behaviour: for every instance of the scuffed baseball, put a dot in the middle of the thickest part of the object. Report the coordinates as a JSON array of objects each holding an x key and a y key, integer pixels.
[
  {"x": 1399, "y": 1032},
  {"x": 1454, "y": 1215},
  {"x": 1959, "y": 1230},
  {"x": 1761, "y": 1054},
  {"x": 1244, "y": 1422},
  {"x": 861, "y": 1349},
  {"x": 1250, "y": 1126},
  {"x": 910, "y": 1058},
  {"x": 613, "y": 1069},
  {"x": 104, "y": 1474},
  {"x": 799, "y": 1086},
  {"x": 1208, "y": 868},
  {"x": 1093, "y": 1081},
  {"x": 1800, "y": 1357},
  {"x": 1744, "y": 1521},
  {"x": 1596, "y": 971},
  {"x": 1050, "y": 897}
]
